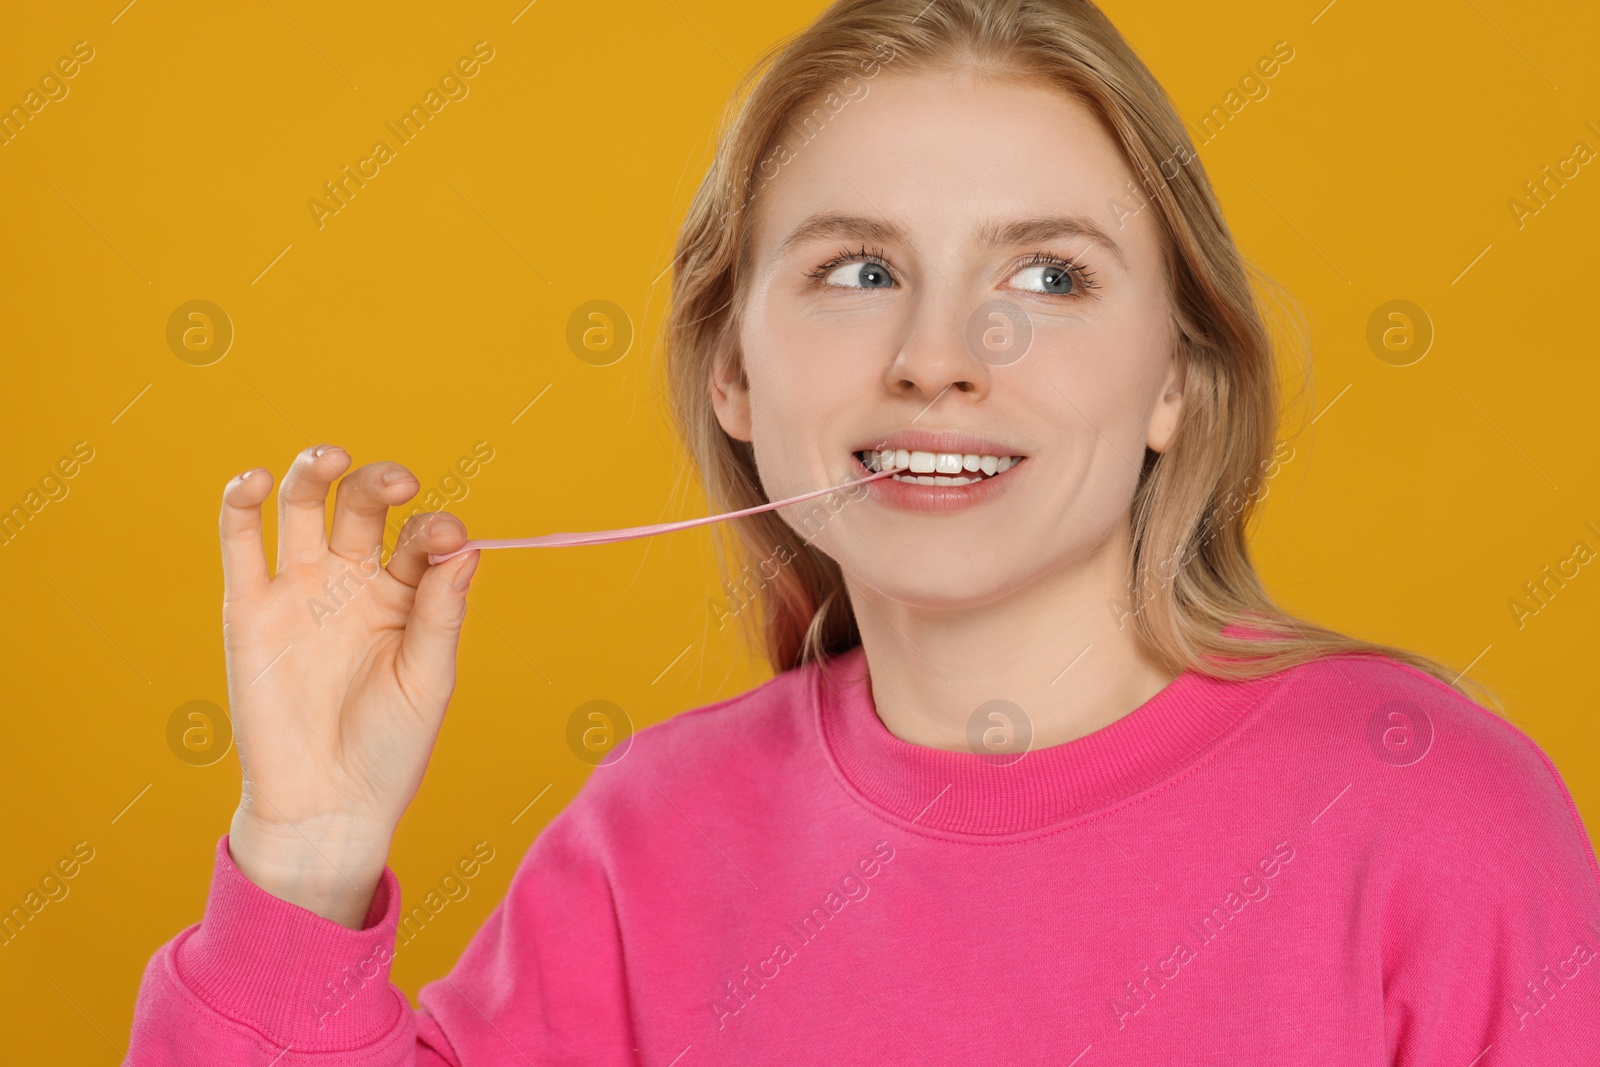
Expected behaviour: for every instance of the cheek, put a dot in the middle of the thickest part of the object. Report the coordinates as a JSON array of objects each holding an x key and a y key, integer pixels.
[
  {"x": 1094, "y": 386},
  {"x": 807, "y": 373},
  {"x": 808, "y": 337},
  {"x": 788, "y": 407},
  {"x": 1105, "y": 376}
]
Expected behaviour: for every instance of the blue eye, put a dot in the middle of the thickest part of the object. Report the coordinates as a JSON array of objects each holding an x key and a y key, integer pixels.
[
  {"x": 860, "y": 275},
  {"x": 1047, "y": 279},
  {"x": 863, "y": 268},
  {"x": 1052, "y": 275}
]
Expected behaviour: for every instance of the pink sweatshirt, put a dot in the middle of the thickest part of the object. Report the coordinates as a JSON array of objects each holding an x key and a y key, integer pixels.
[{"x": 1344, "y": 863}]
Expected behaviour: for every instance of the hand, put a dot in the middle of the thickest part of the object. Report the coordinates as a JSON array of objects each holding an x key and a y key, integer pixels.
[{"x": 339, "y": 673}]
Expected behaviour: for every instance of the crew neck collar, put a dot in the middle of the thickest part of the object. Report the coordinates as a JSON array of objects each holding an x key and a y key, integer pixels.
[{"x": 963, "y": 793}]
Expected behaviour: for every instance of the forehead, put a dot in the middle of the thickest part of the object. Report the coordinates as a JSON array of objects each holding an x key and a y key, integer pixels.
[{"x": 943, "y": 156}]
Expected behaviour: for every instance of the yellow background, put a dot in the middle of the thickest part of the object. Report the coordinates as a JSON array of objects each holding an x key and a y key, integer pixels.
[{"x": 432, "y": 310}]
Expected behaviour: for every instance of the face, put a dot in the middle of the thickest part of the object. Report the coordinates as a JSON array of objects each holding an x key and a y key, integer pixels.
[{"x": 880, "y": 327}]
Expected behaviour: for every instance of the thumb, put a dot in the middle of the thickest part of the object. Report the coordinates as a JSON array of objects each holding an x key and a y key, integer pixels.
[{"x": 434, "y": 629}]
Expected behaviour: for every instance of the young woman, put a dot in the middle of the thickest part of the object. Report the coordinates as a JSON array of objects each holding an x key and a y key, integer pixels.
[{"x": 1043, "y": 775}]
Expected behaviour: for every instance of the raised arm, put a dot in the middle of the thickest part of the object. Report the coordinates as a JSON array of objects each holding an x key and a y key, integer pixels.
[{"x": 339, "y": 673}]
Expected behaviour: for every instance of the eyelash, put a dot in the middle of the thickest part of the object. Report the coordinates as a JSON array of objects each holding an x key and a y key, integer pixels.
[{"x": 1082, "y": 275}]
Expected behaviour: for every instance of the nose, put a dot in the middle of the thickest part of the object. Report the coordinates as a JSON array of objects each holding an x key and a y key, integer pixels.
[{"x": 936, "y": 357}]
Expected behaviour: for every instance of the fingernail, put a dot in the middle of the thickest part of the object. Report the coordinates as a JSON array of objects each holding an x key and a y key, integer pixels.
[
  {"x": 398, "y": 474},
  {"x": 322, "y": 450}
]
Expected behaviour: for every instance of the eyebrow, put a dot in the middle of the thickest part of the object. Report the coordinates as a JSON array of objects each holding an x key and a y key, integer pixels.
[{"x": 991, "y": 232}]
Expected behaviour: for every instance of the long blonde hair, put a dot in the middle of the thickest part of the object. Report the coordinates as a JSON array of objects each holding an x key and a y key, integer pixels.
[{"x": 1191, "y": 573}]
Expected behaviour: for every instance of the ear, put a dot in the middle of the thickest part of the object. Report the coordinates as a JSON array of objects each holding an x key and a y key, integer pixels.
[
  {"x": 730, "y": 389},
  {"x": 1164, "y": 419}
]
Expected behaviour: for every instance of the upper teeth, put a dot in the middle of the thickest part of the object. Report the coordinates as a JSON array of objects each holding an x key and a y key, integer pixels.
[{"x": 939, "y": 465}]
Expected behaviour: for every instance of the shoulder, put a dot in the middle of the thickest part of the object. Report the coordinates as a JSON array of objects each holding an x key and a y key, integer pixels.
[
  {"x": 729, "y": 750},
  {"x": 1405, "y": 717},
  {"x": 1449, "y": 849},
  {"x": 759, "y": 724},
  {"x": 1425, "y": 753}
]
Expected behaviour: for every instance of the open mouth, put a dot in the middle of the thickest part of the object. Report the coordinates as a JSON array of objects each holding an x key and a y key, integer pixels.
[{"x": 937, "y": 468}]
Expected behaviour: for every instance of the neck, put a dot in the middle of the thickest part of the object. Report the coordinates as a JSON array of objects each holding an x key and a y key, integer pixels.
[{"x": 1053, "y": 648}]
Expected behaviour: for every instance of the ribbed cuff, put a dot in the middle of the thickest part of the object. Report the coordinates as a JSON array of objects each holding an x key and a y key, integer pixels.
[{"x": 294, "y": 976}]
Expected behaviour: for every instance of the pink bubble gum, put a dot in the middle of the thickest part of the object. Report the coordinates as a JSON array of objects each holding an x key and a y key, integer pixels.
[{"x": 600, "y": 537}]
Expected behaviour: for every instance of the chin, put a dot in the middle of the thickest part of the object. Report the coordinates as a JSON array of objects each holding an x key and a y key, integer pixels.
[{"x": 908, "y": 582}]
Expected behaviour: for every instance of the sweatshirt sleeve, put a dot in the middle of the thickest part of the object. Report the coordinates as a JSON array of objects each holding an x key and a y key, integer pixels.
[
  {"x": 262, "y": 981},
  {"x": 1491, "y": 923}
]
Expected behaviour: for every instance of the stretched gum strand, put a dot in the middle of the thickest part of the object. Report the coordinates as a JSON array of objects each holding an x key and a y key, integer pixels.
[{"x": 600, "y": 537}]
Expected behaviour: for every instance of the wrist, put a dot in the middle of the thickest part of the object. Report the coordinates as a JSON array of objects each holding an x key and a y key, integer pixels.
[{"x": 329, "y": 866}]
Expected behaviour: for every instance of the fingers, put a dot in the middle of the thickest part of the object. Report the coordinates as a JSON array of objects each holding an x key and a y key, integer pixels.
[
  {"x": 361, "y": 506},
  {"x": 244, "y": 560},
  {"x": 434, "y": 531},
  {"x": 434, "y": 629},
  {"x": 302, "y": 503}
]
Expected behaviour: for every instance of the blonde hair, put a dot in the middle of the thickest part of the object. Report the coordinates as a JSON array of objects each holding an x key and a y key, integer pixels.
[{"x": 1191, "y": 573}]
